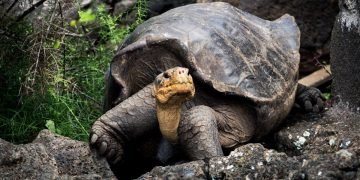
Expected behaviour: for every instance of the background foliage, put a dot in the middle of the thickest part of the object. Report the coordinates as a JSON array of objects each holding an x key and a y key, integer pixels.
[{"x": 52, "y": 73}]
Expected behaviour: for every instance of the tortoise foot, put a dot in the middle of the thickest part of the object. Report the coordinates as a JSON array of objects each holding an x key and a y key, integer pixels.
[
  {"x": 311, "y": 99},
  {"x": 104, "y": 143}
]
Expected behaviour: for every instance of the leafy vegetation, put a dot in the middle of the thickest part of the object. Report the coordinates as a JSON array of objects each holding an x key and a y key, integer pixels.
[{"x": 55, "y": 77}]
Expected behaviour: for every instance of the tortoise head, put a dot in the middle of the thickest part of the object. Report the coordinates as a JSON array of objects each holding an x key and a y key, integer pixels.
[{"x": 174, "y": 86}]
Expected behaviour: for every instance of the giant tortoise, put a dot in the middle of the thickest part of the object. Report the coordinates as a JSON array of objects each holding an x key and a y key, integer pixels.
[{"x": 208, "y": 76}]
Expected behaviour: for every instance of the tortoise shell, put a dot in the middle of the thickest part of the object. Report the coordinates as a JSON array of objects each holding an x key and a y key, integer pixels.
[{"x": 228, "y": 49}]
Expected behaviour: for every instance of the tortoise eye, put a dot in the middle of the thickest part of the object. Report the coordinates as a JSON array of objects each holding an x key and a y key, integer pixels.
[{"x": 166, "y": 75}]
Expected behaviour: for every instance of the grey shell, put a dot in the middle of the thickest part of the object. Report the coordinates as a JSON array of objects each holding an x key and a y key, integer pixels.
[{"x": 232, "y": 51}]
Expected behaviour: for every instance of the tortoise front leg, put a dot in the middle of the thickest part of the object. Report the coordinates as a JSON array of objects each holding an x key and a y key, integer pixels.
[
  {"x": 129, "y": 120},
  {"x": 198, "y": 133}
]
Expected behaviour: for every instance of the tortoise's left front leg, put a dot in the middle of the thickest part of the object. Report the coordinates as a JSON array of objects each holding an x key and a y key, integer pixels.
[
  {"x": 309, "y": 98},
  {"x": 198, "y": 133},
  {"x": 204, "y": 131},
  {"x": 130, "y": 120}
]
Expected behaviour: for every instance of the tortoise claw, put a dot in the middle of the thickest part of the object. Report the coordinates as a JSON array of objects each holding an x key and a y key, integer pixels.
[
  {"x": 316, "y": 109},
  {"x": 110, "y": 154},
  {"x": 115, "y": 161},
  {"x": 94, "y": 138},
  {"x": 308, "y": 106},
  {"x": 103, "y": 148},
  {"x": 320, "y": 102}
]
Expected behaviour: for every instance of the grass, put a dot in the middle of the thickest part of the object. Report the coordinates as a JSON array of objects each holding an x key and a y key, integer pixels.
[{"x": 56, "y": 81}]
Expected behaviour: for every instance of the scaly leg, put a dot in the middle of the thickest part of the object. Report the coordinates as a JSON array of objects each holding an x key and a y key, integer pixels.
[
  {"x": 131, "y": 119},
  {"x": 198, "y": 133}
]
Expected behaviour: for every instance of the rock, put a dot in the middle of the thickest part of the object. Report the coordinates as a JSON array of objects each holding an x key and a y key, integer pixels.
[
  {"x": 328, "y": 146},
  {"x": 253, "y": 161},
  {"x": 339, "y": 165},
  {"x": 157, "y": 7},
  {"x": 153, "y": 7},
  {"x": 11, "y": 9},
  {"x": 123, "y": 6},
  {"x": 32, "y": 10},
  {"x": 51, "y": 156},
  {"x": 314, "y": 147},
  {"x": 337, "y": 130},
  {"x": 191, "y": 170},
  {"x": 345, "y": 54}
]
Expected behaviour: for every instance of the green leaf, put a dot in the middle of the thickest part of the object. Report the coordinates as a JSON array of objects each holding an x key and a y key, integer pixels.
[
  {"x": 101, "y": 8},
  {"x": 50, "y": 125},
  {"x": 86, "y": 16},
  {"x": 58, "y": 131},
  {"x": 73, "y": 23},
  {"x": 327, "y": 95},
  {"x": 57, "y": 44}
]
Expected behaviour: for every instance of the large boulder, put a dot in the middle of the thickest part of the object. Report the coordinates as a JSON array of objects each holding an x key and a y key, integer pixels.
[
  {"x": 51, "y": 156},
  {"x": 313, "y": 147},
  {"x": 345, "y": 54}
]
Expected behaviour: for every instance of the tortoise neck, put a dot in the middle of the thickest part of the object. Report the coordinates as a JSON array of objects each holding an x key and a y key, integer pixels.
[{"x": 169, "y": 119}]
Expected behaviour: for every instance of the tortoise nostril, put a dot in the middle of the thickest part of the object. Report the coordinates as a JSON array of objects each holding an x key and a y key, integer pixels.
[
  {"x": 181, "y": 71},
  {"x": 166, "y": 75}
]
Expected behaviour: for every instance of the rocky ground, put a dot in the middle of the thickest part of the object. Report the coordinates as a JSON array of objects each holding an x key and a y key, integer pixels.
[
  {"x": 307, "y": 147},
  {"x": 51, "y": 156},
  {"x": 323, "y": 146}
]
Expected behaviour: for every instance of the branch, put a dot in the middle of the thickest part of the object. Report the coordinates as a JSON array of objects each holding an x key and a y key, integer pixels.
[
  {"x": 10, "y": 7},
  {"x": 63, "y": 46},
  {"x": 70, "y": 34},
  {"x": 28, "y": 11},
  {"x": 317, "y": 78}
]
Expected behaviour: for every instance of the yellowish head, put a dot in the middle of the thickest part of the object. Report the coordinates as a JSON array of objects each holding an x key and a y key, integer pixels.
[{"x": 174, "y": 86}]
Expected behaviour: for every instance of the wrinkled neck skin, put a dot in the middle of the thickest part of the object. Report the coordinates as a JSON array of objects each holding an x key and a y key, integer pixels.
[{"x": 169, "y": 118}]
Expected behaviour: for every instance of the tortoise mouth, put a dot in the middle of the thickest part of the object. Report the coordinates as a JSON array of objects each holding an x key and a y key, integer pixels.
[{"x": 175, "y": 93}]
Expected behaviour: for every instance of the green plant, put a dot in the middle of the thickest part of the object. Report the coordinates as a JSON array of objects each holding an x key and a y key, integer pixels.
[{"x": 57, "y": 82}]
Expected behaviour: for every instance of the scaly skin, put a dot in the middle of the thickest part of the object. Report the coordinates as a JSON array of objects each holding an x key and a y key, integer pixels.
[
  {"x": 194, "y": 134},
  {"x": 129, "y": 120}
]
